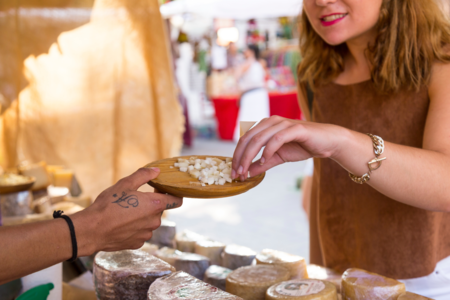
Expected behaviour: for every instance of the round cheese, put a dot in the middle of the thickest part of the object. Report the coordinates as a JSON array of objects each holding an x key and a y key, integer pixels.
[
  {"x": 127, "y": 274},
  {"x": 235, "y": 256},
  {"x": 322, "y": 273},
  {"x": 190, "y": 263},
  {"x": 411, "y": 296},
  {"x": 302, "y": 289},
  {"x": 183, "y": 286},
  {"x": 164, "y": 236},
  {"x": 252, "y": 282},
  {"x": 211, "y": 249},
  {"x": 217, "y": 276},
  {"x": 359, "y": 284},
  {"x": 295, "y": 264},
  {"x": 186, "y": 240}
]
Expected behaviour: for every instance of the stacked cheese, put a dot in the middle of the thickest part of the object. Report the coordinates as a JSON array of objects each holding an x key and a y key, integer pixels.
[
  {"x": 127, "y": 274},
  {"x": 217, "y": 276},
  {"x": 411, "y": 296},
  {"x": 359, "y": 284},
  {"x": 302, "y": 289},
  {"x": 211, "y": 249},
  {"x": 235, "y": 256},
  {"x": 164, "y": 236},
  {"x": 295, "y": 264},
  {"x": 322, "y": 273},
  {"x": 190, "y": 263},
  {"x": 187, "y": 239},
  {"x": 252, "y": 282}
]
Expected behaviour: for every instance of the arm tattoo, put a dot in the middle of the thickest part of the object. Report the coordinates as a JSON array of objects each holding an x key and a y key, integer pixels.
[
  {"x": 126, "y": 201},
  {"x": 169, "y": 206}
]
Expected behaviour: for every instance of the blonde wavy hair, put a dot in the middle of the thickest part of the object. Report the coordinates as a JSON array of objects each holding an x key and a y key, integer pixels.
[{"x": 411, "y": 36}]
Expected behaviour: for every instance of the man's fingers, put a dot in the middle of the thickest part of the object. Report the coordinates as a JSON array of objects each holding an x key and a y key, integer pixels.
[
  {"x": 164, "y": 201},
  {"x": 138, "y": 178}
]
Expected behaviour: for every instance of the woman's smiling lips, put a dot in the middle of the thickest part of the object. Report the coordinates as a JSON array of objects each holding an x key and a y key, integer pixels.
[{"x": 331, "y": 19}]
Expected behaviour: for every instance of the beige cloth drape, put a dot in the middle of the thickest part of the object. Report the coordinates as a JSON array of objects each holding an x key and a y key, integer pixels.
[{"x": 102, "y": 101}]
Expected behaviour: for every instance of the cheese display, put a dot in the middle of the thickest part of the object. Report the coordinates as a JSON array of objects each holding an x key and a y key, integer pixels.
[
  {"x": 295, "y": 264},
  {"x": 149, "y": 248},
  {"x": 127, "y": 274},
  {"x": 411, "y": 296},
  {"x": 217, "y": 276},
  {"x": 164, "y": 236},
  {"x": 190, "y": 263},
  {"x": 208, "y": 171},
  {"x": 235, "y": 256},
  {"x": 302, "y": 289},
  {"x": 322, "y": 273},
  {"x": 181, "y": 285},
  {"x": 252, "y": 282},
  {"x": 38, "y": 171},
  {"x": 359, "y": 284},
  {"x": 211, "y": 249},
  {"x": 187, "y": 239}
]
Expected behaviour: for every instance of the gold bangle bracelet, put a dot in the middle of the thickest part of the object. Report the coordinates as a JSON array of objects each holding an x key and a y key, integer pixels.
[{"x": 374, "y": 164}]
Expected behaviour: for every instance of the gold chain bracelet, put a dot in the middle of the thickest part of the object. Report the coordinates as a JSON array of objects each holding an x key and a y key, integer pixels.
[{"x": 374, "y": 164}]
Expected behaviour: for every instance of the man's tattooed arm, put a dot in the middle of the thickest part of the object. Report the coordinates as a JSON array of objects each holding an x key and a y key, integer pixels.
[{"x": 127, "y": 201}]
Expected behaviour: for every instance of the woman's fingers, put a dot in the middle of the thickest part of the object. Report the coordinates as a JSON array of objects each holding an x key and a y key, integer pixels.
[
  {"x": 257, "y": 168},
  {"x": 293, "y": 133}
]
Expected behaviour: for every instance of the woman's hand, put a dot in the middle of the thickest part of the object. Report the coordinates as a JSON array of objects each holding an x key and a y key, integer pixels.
[
  {"x": 121, "y": 217},
  {"x": 285, "y": 140}
]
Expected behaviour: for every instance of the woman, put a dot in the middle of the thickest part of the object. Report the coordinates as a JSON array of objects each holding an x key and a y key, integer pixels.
[
  {"x": 378, "y": 67},
  {"x": 254, "y": 102}
]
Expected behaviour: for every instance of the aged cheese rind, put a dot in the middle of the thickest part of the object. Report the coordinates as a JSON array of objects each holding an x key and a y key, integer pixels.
[
  {"x": 294, "y": 263},
  {"x": 186, "y": 240},
  {"x": 322, "y": 273},
  {"x": 412, "y": 296},
  {"x": 183, "y": 286},
  {"x": 190, "y": 263},
  {"x": 217, "y": 276},
  {"x": 211, "y": 249},
  {"x": 252, "y": 282},
  {"x": 235, "y": 256},
  {"x": 302, "y": 289},
  {"x": 359, "y": 284},
  {"x": 127, "y": 274},
  {"x": 164, "y": 236}
]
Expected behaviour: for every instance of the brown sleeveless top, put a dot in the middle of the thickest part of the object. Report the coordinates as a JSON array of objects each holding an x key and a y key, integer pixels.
[{"x": 358, "y": 226}]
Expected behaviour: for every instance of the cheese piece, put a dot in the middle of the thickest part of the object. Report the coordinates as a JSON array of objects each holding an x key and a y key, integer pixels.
[
  {"x": 183, "y": 286},
  {"x": 164, "y": 236},
  {"x": 412, "y": 296},
  {"x": 302, "y": 289},
  {"x": 294, "y": 263},
  {"x": 359, "y": 284},
  {"x": 217, "y": 276},
  {"x": 149, "y": 248},
  {"x": 62, "y": 178},
  {"x": 211, "y": 249},
  {"x": 322, "y": 273},
  {"x": 252, "y": 282},
  {"x": 127, "y": 274},
  {"x": 186, "y": 240},
  {"x": 235, "y": 256},
  {"x": 38, "y": 171},
  {"x": 190, "y": 263}
]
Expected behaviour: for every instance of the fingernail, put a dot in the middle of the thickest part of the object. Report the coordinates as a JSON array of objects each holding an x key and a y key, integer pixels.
[
  {"x": 154, "y": 169},
  {"x": 262, "y": 161},
  {"x": 233, "y": 174},
  {"x": 239, "y": 171},
  {"x": 248, "y": 174},
  {"x": 242, "y": 178}
]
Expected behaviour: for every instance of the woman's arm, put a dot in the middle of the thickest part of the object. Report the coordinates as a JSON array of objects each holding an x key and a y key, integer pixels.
[
  {"x": 120, "y": 218},
  {"x": 417, "y": 177}
]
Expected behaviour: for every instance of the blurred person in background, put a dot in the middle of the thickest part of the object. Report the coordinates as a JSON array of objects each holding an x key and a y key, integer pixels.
[{"x": 254, "y": 100}]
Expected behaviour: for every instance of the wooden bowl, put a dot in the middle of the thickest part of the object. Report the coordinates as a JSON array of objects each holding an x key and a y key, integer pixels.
[
  {"x": 15, "y": 188},
  {"x": 181, "y": 184}
]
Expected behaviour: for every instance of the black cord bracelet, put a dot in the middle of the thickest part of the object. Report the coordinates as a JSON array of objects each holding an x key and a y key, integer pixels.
[{"x": 59, "y": 214}]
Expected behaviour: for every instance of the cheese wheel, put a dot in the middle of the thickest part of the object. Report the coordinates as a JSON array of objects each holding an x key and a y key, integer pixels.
[
  {"x": 149, "y": 248},
  {"x": 302, "y": 289},
  {"x": 322, "y": 273},
  {"x": 183, "y": 286},
  {"x": 127, "y": 274},
  {"x": 186, "y": 240},
  {"x": 412, "y": 296},
  {"x": 359, "y": 284},
  {"x": 38, "y": 171},
  {"x": 190, "y": 263},
  {"x": 252, "y": 282},
  {"x": 211, "y": 249},
  {"x": 235, "y": 256},
  {"x": 217, "y": 276},
  {"x": 164, "y": 236},
  {"x": 294, "y": 263}
]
